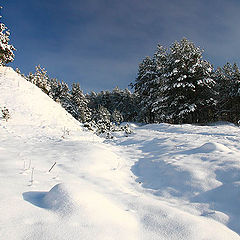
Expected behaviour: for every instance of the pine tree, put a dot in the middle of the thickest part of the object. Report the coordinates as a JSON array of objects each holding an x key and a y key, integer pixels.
[
  {"x": 65, "y": 98},
  {"x": 41, "y": 79},
  {"x": 92, "y": 100},
  {"x": 228, "y": 87},
  {"x": 117, "y": 117},
  {"x": 56, "y": 90},
  {"x": 80, "y": 104},
  {"x": 30, "y": 77},
  {"x": 128, "y": 108},
  {"x": 144, "y": 88},
  {"x": 161, "y": 57},
  {"x": 121, "y": 100},
  {"x": 187, "y": 92},
  {"x": 101, "y": 117},
  {"x": 6, "y": 49}
]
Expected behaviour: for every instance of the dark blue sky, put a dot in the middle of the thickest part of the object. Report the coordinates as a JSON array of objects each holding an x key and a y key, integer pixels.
[{"x": 99, "y": 43}]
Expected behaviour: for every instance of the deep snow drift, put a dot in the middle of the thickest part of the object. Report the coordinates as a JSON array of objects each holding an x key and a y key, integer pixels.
[{"x": 162, "y": 182}]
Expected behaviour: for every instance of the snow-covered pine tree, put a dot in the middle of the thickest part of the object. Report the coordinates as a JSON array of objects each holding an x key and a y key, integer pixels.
[
  {"x": 96, "y": 99},
  {"x": 161, "y": 59},
  {"x": 6, "y": 49},
  {"x": 101, "y": 117},
  {"x": 143, "y": 88},
  {"x": 80, "y": 104},
  {"x": 91, "y": 97},
  {"x": 116, "y": 117},
  {"x": 106, "y": 99},
  {"x": 128, "y": 107},
  {"x": 223, "y": 77},
  {"x": 56, "y": 89},
  {"x": 65, "y": 97},
  {"x": 228, "y": 87},
  {"x": 121, "y": 100},
  {"x": 116, "y": 99},
  {"x": 59, "y": 92},
  {"x": 235, "y": 91},
  {"x": 187, "y": 93},
  {"x": 40, "y": 78},
  {"x": 30, "y": 77}
]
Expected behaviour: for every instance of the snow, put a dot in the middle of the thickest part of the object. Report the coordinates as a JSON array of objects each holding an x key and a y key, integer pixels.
[{"x": 161, "y": 182}]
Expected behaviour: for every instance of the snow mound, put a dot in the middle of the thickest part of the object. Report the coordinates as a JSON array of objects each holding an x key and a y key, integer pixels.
[
  {"x": 83, "y": 199},
  {"x": 211, "y": 147},
  {"x": 61, "y": 197}
]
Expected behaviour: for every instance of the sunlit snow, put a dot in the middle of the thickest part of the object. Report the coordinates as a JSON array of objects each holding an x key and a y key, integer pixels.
[{"x": 161, "y": 182}]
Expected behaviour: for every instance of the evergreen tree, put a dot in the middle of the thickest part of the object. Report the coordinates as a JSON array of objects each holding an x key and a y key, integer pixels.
[
  {"x": 228, "y": 87},
  {"x": 65, "y": 98},
  {"x": 101, "y": 117},
  {"x": 30, "y": 77},
  {"x": 58, "y": 90},
  {"x": 121, "y": 100},
  {"x": 80, "y": 104},
  {"x": 6, "y": 49},
  {"x": 187, "y": 94},
  {"x": 117, "y": 117},
  {"x": 144, "y": 88},
  {"x": 92, "y": 100},
  {"x": 41, "y": 79},
  {"x": 161, "y": 57},
  {"x": 128, "y": 107}
]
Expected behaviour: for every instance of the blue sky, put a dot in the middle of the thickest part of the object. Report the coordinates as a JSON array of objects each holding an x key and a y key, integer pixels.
[{"x": 99, "y": 43}]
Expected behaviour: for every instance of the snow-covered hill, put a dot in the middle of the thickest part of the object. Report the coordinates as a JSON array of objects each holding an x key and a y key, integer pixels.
[
  {"x": 32, "y": 112},
  {"x": 162, "y": 182}
]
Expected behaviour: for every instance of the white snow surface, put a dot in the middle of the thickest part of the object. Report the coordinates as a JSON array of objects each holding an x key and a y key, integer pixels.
[{"x": 161, "y": 182}]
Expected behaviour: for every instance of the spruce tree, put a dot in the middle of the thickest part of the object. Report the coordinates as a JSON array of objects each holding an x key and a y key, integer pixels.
[{"x": 6, "y": 49}]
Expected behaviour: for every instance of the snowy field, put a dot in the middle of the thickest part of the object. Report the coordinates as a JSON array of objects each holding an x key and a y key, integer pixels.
[{"x": 162, "y": 182}]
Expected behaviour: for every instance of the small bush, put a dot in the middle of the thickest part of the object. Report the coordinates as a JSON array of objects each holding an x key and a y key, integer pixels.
[{"x": 5, "y": 113}]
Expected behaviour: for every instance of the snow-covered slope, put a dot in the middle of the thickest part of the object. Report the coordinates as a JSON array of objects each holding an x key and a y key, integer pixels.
[
  {"x": 162, "y": 182},
  {"x": 32, "y": 112}
]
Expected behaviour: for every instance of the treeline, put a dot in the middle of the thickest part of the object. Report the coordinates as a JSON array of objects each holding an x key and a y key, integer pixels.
[
  {"x": 175, "y": 85},
  {"x": 102, "y": 112}
]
